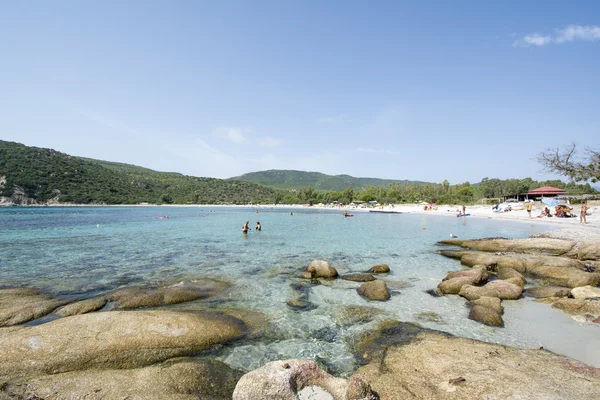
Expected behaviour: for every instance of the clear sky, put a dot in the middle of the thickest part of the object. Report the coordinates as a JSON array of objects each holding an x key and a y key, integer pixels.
[{"x": 419, "y": 90}]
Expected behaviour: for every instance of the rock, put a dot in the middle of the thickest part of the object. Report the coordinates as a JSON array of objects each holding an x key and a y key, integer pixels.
[
  {"x": 491, "y": 302},
  {"x": 348, "y": 315},
  {"x": 554, "y": 247},
  {"x": 306, "y": 275},
  {"x": 358, "y": 277},
  {"x": 185, "y": 379},
  {"x": 159, "y": 296},
  {"x": 82, "y": 307},
  {"x": 577, "y": 306},
  {"x": 548, "y": 291},
  {"x": 453, "y": 286},
  {"x": 282, "y": 380},
  {"x": 113, "y": 339},
  {"x": 380, "y": 269},
  {"x": 375, "y": 290},
  {"x": 301, "y": 305},
  {"x": 479, "y": 273},
  {"x": 586, "y": 292},
  {"x": 507, "y": 273},
  {"x": 504, "y": 290},
  {"x": 321, "y": 269},
  {"x": 421, "y": 367},
  {"x": 18, "y": 306},
  {"x": 596, "y": 320},
  {"x": 520, "y": 282},
  {"x": 589, "y": 251},
  {"x": 486, "y": 315},
  {"x": 428, "y": 316}
]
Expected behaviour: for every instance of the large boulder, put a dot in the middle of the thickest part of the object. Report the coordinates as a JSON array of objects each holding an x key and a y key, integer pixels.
[
  {"x": 486, "y": 315},
  {"x": 177, "y": 379},
  {"x": 577, "y": 306},
  {"x": 586, "y": 292},
  {"x": 491, "y": 302},
  {"x": 283, "y": 380},
  {"x": 504, "y": 290},
  {"x": 375, "y": 290},
  {"x": 589, "y": 251},
  {"x": 113, "y": 339},
  {"x": 554, "y": 247},
  {"x": 82, "y": 307},
  {"x": 508, "y": 273},
  {"x": 321, "y": 269},
  {"x": 547, "y": 291},
  {"x": 18, "y": 306},
  {"x": 432, "y": 365},
  {"x": 380, "y": 269},
  {"x": 479, "y": 273}
]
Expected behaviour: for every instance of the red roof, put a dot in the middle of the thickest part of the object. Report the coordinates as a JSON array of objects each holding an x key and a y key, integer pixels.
[{"x": 547, "y": 190}]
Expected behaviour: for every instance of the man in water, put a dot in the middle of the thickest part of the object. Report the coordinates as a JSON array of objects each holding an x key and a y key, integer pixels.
[
  {"x": 245, "y": 227},
  {"x": 258, "y": 227}
]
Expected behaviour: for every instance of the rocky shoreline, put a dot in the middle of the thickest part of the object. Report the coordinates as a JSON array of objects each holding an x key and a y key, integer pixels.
[{"x": 134, "y": 342}]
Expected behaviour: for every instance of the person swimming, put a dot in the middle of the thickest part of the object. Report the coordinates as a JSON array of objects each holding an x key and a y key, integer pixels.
[
  {"x": 258, "y": 227},
  {"x": 245, "y": 227}
]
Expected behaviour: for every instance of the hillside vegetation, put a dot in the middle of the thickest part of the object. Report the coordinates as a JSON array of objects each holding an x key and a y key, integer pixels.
[
  {"x": 291, "y": 179},
  {"x": 32, "y": 174}
]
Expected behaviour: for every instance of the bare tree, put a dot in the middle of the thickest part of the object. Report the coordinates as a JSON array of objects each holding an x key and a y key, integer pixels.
[{"x": 565, "y": 162}]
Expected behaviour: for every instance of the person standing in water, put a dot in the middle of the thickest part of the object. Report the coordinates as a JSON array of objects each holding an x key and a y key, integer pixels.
[
  {"x": 245, "y": 227},
  {"x": 529, "y": 206},
  {"x": 258, "y": 227},
  {"x": 464, "y": 209},
  {"x": 583, "y": 213}
]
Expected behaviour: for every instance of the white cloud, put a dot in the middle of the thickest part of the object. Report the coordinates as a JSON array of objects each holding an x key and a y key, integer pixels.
[
  {"x": 270, "y": 142},
  {"x": 377, "y": 151},
  {"x": 588, "y": 33},
  {"x": 235, "y": 135}
]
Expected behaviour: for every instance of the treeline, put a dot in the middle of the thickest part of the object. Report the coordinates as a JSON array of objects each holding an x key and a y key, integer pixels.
[{"x": 443, "y": 193}]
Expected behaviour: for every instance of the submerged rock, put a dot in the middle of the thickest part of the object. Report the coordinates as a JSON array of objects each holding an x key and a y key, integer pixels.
[
  {"x": 82, "y": 307},
  {"x": 113, "y": 339},
  {"x": 282, "y": 380},
  {"x": 301, "y": 305},
  {"x": 547, "y": 291},
  {"x": 380, "y": 269},
  {"x": 18, "y": 306},
  {"x": 375, "y": 290},
  {"x": 348, "y": 315},
  {"x": 321, "y": 269},
  {"x": 358, "y": 277},
  {"x": 185, "y": 379},
  {"x": 422, "y": 367}
]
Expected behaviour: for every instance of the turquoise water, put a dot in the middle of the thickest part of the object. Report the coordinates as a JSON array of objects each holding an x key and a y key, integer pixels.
[{"x": 87, "y": 250}]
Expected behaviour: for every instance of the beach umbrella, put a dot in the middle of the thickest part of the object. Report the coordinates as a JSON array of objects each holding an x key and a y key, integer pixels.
[{"x": 550, "y": 202}]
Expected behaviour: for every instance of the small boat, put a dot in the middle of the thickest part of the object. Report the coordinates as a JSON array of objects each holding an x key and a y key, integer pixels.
[{"x": 348, "y": 215}]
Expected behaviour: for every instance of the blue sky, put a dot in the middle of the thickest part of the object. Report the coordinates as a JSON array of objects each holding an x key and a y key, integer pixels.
[{"x": 406, "y": 90}]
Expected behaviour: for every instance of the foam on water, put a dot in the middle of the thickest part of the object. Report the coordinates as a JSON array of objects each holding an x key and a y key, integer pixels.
[{"x": 95, "y": 249}]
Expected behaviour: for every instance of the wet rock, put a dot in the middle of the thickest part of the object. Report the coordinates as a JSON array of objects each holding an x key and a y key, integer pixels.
[
  {"x": 18, "y": 306},
  {"x": 421, "y": 368},
  {"x": 82, "y": 307},
  {"x": 358, "y": 277},
  {"x": 428, "y": 316},
  {"x": 596, "y": 320},
  {"x": 504, "y": 290},
  {"x": 321, "y": 269},
  {"x": 301, "y": 305},
  {"x": 352, "y": 315},
  {"x": 453, "y": 286},
  {"x": 282, "y": 380},
  {"x": 113, "y": 339},
  {"x": 555, "y": 247},
  {"x": 508, "y": 273},
  {"x": 586, "y": 292},
  {"x": 491, "y": 302},
  {"x": 547, "y": 291},
  {"x": 185, "y": 379},
  {"x": 380, "y": 269},
  {"x": 159, "y": 296},
  {"x": 577, "y": 306},
  {"x": 375, "y": 290},
  {"x": 486, "y": 315},
  {"x": 589, "y": 251}
]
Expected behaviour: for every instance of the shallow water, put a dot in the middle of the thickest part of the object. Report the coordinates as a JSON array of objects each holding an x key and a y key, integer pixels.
[{"x": 93, "y": 249}]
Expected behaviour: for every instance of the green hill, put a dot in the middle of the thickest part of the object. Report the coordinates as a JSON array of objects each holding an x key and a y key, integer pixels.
[
  {"x": 290, "y": 179},
  {"x": 32, "y": 174}
]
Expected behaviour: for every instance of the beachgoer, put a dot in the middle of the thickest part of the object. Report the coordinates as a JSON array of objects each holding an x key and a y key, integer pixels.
[
  {"x": 345, "y": 213},
  {"x": 583, "y": 212},
  {"x": 258, "y": 227},
  {"x": 529, "y": 206},
  {"x": 245, "y": 227},
  {"x": 464, "y": 209},
  {"x": 291, "y": 213}
]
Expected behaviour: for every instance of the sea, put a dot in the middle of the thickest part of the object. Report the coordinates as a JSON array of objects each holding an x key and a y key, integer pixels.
[{"x": 86, "y": 251}]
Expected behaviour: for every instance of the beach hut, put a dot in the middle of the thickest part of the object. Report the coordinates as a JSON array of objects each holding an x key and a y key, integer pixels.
[{"x": 546, "y": 191}]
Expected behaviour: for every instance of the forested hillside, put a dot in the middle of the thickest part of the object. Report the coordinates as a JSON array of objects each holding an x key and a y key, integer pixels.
[
  {"x": 32, "y": 174},
  {"x": 291, "y": 179}
]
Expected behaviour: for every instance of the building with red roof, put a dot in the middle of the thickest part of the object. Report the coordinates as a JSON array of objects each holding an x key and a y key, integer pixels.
[{"x": 546, "y": 191}]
